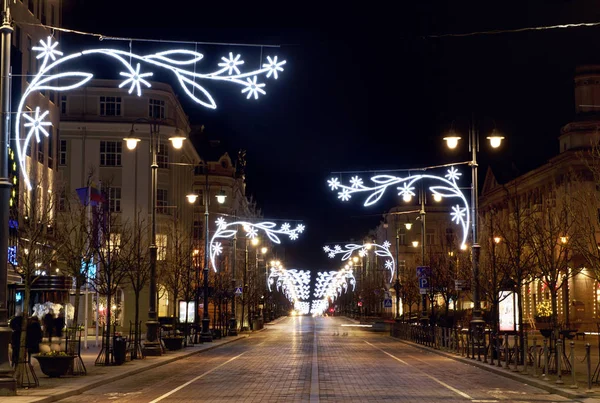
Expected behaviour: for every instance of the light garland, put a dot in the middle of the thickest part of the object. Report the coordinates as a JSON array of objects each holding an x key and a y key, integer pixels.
[
  {"x": 449, "y": 189},
  {"x": 333, "y": 283},
  {"x": 294, "y": 284},
  {"x": 319, "y": 306},
  {"x": 228, "y": 230},
  {"x": 380, "y": 250},
  {"x": 135, "y": 79}
]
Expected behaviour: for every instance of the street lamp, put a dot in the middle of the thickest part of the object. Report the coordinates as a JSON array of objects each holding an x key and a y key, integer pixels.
[
  {"x": 152, "y": 345},
  {"x": 452, "y": 139},
  {"x": 205, "y": 335}
]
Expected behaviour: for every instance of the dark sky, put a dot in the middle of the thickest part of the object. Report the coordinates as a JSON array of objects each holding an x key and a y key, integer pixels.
[{"x": 365, "y": 87}]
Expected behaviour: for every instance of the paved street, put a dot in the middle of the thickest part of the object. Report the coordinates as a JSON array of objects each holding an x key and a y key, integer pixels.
[{"x": 350, "y": 364}]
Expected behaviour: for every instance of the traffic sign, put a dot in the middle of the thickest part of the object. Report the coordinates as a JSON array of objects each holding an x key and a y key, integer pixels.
[
  {"x": 423, "y": 291},
  {"x": 424, "y": 282},
  {"x": 423, "y": 271},
  {"x": 387, "y": 303},
  {"x": 238, "y": 290},
  {"x": 460, "y": 285}
]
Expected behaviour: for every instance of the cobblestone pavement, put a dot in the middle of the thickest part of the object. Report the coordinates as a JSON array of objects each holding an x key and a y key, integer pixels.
[{"x": 350, "y": 364}]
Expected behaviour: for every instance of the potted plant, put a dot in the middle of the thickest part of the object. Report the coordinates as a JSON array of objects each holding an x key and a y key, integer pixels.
[
  {"x": 54, "y": 363},
  {"x": 173, "y": 342},
  {"x": 543, "y": 316}
]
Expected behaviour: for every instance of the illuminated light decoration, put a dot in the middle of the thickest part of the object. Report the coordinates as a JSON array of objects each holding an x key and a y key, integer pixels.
[
  {"x": 228, "y": 230},
  {"x": 319, "y": 306},
  {"x": 12, "y": 255},
  {"x": 332, "y": 284},
  {"x": 294, "y": 284},
  {"x": 380, "y": 250},
  {"x": 180, "y": 62},
  {"x": 448, "y": 189}
]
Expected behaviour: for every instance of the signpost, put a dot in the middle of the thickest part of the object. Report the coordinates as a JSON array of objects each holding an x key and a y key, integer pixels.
[
  {"x": 238, "y": 291},
  {"x": 423, "y": 276},
  {"x": 387, "y": 303}
]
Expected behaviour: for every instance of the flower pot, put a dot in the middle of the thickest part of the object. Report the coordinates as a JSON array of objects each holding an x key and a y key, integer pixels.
[
  {"x": 173, "y": 343},
  {"x": 55, "y": 366}
]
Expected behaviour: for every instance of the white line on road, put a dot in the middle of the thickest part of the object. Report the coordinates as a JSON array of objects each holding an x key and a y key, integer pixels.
[
  {"x": 314, "y": 375},
  {"x": 158, "y": 399},
  {"x": 424, "y": 373}
]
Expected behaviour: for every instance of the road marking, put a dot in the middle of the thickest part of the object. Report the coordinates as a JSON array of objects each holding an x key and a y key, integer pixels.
[
  {"x": 424, "y": 373},
  {"x": 158, "y": 399},
  {"x": 314, "y": 374}
]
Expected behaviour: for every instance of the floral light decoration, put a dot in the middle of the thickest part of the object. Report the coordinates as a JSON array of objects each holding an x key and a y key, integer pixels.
[
  {"x": 294, "y": 284},
  {"x": 448, "y": 189},
  {"x": 380, "y": 250},
  {"x": 180, "y": 62},
  {"x": 319, "y": 306},
  {"x": 331, "y": 284},
  {"x": 227, "y": 230}
]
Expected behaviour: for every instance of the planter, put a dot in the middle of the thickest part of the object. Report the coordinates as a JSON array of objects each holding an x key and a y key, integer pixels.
[
  {"x": 173, "y": 343},
  {"x": 55, "y": 366}
]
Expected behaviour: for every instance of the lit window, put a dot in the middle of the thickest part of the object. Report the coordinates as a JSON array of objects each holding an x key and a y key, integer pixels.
[{"x": 161, "y": 245}]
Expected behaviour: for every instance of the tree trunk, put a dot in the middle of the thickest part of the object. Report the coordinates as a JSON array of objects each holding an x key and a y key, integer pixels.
[
  {"x": 136, "y": 335},
  {"x": 76, "y": 302},
  {"x": 21, "y": 369}
]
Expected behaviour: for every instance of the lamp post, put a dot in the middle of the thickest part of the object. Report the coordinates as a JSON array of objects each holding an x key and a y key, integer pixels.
[
  {"x": 152, "y": 345},
  {"x": 205, "y": 334},
  {"x": 452, "y": 139},
  {"x": 8, "y": 384}
]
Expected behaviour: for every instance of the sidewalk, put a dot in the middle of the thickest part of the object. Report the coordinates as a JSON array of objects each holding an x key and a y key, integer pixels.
[
  {"x": 549, "y": 384},
  {"x": 53, "y": 389}
]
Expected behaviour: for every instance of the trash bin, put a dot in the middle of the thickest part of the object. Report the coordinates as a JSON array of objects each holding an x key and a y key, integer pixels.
[{"x": 119, "y": 350}]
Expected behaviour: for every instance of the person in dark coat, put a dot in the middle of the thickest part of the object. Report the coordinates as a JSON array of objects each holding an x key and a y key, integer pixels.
[
  {"x": 49, "y": 324},
  {"x": 16, "y": 324},
  {"x": 34, "y": 336},
  {"x": 59, "y": 323}
]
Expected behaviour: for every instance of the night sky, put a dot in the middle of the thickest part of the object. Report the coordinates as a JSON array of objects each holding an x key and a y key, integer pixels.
[{"x": 365, "y": 87}]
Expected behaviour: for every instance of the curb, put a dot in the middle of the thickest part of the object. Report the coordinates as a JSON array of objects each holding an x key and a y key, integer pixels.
[
  {"x": 134, "y": 371},
  {"x": 516, "y": 376}
]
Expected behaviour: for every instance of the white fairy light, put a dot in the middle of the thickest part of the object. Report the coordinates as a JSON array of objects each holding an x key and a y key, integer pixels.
[
  {"x": 273, "y": 66},
  {"x": 300, "y": 228},
  {"x": 37, "y": 124},
  {"x": 229, "y": 230},
  {"x": 379, "y": 250},
  {"x": 405, "y": 185},
  {"x": 356, "y": 182},
  {"x": 294, "y": 284},
  {"x": 135, "y": 78},
  {"x": 253, "y": 88},
  {"x": 232, "y": 63},
  {"x": 180, "y": 62}
]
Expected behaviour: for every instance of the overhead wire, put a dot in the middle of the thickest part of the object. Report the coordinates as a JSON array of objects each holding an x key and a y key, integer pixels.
[{"x": 516, "y": 30}]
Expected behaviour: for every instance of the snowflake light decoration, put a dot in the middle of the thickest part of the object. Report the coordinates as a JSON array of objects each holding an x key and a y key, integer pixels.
[
  {"x": 380, "y": 250},
  {"x": 179, "y": 62},
  {"x": 447, "y": 189},
  {"x": 228, "y": 230},
  {"x": 294, "y": 284},
  {"x": 331, "y": 284}
]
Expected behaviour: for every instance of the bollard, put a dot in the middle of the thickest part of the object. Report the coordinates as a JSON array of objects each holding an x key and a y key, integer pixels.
[
  {"x": 478, "y": 334},
  {"x": 485, "y": 348},
  {"x": 506, "y": 352},
  {"x": 546, "y": 377},
  {"x": 498, "y": 349},
  {"x": 535, "y": 357},
  {"x": 516, "y": 355},
  {"x": 525, "y": 353},
  {"x": 559, "y": 344},
  {"x": 472, "y": 344},
  {"x": 589, "y": 367},
  {"x": 492, "y": 347},
  {"x": 572, "y": 359}
]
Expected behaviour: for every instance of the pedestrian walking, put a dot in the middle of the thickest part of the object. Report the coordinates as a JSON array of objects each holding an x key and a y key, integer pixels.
[
  {"x": 59, "y": 323},
  {"x": 49, "y": 324},
  {"x": 15, "y": 340},
  {"x": 33, "y": 336}
]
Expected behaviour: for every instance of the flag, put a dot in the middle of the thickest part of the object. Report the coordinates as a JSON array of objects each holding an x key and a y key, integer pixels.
[{"x": 90, "y": 195}]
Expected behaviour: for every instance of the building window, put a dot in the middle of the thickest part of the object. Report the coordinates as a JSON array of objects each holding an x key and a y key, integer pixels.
[
  {"x": 162, "y": 201},
  {"x": 430, "y": 238},
  {"x": 62, "y": 158},
  {"x": 63, "y": 104},
  {"x": 43, "y": 11},
  {"x": 62, "y": 201},
  {"x": 30, "y": 60},
  {"x": 162, "y": 157},
  {"x": 40, "y": 146},
  {"x": 110, "y": 106},
  {"x": 402, "y": 236},
  {"x": 156, "y": 109},
  {"x": 110, "y": 153},
  {"x": 161, "y": 246},
  {"x": 114, "y": 199},
  {"x": 197, "y": 229},
  {"x": 50, "y": 147}
]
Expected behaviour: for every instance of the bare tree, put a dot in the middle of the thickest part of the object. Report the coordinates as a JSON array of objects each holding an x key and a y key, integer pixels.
[
  {"x": 110, "y": 246},
  {"x": 35, "y": 253},
  {"x": 137, "y": 270},
  {"x": 551, "y": 233}
]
